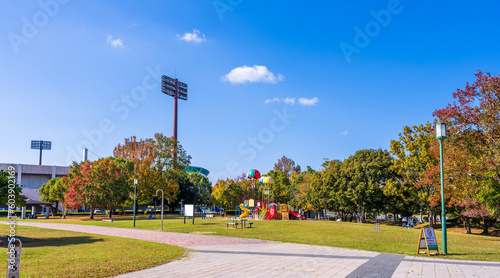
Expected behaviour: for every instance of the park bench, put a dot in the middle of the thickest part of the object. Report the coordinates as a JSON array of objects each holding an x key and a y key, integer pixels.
[
  {"x": 107, "y": 219},
  {"x": 210, "y": 216},
  {"x": 235, "y": 224},
  {"x": 249, "y": 224}
]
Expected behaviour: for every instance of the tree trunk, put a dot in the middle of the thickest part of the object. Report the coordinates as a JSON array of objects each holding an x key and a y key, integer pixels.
[
  {"x": 110, "y": 213},
  {"x": 395, "y": 217},
  {"x": 54, "y": 209},
  {"x": 91, "y": 212},
  {"x": 431, "y": 216},
  {"x": 64, "y": 213},
  {"x": 485, "y": 226},
  {"x": 360, "y": 216},
  {"x": 467, "y": 225}
]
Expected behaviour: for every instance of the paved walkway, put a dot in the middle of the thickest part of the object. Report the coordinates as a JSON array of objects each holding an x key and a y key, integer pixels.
[{"x": 216, "y": 256}]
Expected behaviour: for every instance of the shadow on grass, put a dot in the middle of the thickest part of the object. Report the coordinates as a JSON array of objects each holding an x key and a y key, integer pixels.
[{"x": 53, "y": 241}]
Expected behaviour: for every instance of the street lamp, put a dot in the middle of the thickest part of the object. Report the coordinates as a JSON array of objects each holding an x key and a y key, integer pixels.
[
  {"x": 135, "y": 197},
  {"x": 162, "y": 200},
  {"x": 440, "y": 136}
]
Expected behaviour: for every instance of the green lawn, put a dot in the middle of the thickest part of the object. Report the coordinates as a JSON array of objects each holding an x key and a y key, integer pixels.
[
  {"x": 391, "y": 239},
  {"x": 54, "y": 253}
]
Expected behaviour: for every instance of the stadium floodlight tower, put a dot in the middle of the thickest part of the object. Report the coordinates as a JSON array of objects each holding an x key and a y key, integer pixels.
[
  {"x": 174, "y": 88},
  {"x": 41, "y": 145}
]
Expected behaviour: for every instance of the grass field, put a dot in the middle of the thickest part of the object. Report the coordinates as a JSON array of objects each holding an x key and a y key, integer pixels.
[
  {"x": 54, "y": 253},
  {"x": 391, "y": 239}
]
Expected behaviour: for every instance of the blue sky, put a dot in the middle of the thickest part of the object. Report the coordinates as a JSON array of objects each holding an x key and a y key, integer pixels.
[{"x": 266, "y": 78}]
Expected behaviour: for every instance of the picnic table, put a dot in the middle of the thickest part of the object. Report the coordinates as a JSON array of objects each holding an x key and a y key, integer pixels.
[{"x": 242, "y": 222}]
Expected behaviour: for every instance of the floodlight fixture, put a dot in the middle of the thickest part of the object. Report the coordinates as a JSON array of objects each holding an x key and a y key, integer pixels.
[{"x": 41, "y": 145}]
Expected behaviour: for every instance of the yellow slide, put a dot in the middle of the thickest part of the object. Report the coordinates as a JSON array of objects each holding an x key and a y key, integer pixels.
[
  {"x": 245, "y": 211},
  {"x": 263, "y": 213}
]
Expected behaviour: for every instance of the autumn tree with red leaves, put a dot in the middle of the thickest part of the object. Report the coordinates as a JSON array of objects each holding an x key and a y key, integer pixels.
[
  {"x": 106, "y": 182},
  {"x": 473, "y": 150},
  {"x": 154, "y": 165}
]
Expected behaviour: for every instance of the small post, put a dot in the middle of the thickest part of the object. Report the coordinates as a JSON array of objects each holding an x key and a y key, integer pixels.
[
  {"x": 14, "y": 259},
  {"x": 162, "y": 200},
  {"x": 135, "y": 197}
]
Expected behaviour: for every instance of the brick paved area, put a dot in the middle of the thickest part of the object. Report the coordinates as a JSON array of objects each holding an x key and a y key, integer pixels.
[{"x": 216, "y": 256}]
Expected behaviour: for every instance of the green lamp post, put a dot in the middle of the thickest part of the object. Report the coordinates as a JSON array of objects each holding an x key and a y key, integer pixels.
[
  {"x": 440, "y": 136},
  {"x": 135, "y": 197}
]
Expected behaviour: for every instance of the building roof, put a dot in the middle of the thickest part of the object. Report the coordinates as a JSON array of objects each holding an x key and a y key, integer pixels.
[
  {"x": 36, "y": 169},
  {"x": 33, "y": 197}
]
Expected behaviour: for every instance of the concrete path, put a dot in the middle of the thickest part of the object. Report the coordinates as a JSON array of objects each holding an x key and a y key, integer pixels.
[{"x": 216, "y": 256}]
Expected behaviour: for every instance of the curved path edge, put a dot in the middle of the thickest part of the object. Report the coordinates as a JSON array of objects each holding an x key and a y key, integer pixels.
[{"x": 219, "y": 256}]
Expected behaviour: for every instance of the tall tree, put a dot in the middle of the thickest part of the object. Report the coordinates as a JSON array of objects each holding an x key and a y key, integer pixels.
[
  {"x": 363, "y": 175},
  {"x": 287, "y": 166},
  {"x": 154, "y": 166},
  {"x": 474, "y": 121},
  {"x": 415, "y": 167},
  {"x": 204, "y": 187},
  {"x": 300, "y": 188},
  {"x": 13, "y": 190},
  {"x": 106, "y": 182},
  {"x": 227, "y": 193},
  {"x": 280, "y": 187},
  {"x": 53, "y": 191}
]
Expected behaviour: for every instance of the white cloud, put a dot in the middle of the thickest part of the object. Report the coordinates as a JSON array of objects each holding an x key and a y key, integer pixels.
[
  {"x": 256, "y": 73},
  {"x": 192, "y": 37},
  {"x": 308, "y": 102},
  {"x": 115, "y": 42},
  {"x": 344, "y": 133},
  {"x": 289, "y": 100},
  {"x": 272, "y": 100}
]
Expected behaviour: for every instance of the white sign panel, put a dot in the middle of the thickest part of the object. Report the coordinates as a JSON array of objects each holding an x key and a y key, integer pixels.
[
  {"x": 188, "y": 210},
  {"x": 431, "y": 238}
]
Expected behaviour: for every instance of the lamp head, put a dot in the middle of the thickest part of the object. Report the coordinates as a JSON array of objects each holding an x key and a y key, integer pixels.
[{"x": 440, "y": 130}]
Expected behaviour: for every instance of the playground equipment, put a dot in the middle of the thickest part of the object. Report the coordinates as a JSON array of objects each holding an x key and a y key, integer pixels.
[
  {"x": 298, "y": 216},
  {"x": 267, "y": 181},
  {"x": 245, "y": 212},
  {"x": 272, "y": 212},
  {"x": 253, "y": 174}
]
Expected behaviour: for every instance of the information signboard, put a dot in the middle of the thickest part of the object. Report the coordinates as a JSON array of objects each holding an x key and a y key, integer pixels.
[
  {"x": 188, "y": 210},
  {"x": 427, "y": 241}
]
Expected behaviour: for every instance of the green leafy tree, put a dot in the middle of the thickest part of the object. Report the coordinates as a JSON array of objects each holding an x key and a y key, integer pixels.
[
  {"x": 203, "y": 186},
  {"x": 155, "y": 167},
  {"x": 280, "y": 187},
  {"x": 53, "y": 191},
  {"x": 13, "y": 190},
  {"x": 228, "y": 193},
  {"x": 362, "y": 176},
  {"x": 301, "y": 186},
  {"x": 414, "y": 181}
]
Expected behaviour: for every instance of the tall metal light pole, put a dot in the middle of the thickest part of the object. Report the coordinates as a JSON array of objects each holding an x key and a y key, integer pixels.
[
  {"x": 440, "y": 136},
  {"x": 178, "y": 90},
  {"x": 41, "y": 145},
  {"x": 162, "y": 200},
  {"x": 135, "y": 197}
]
